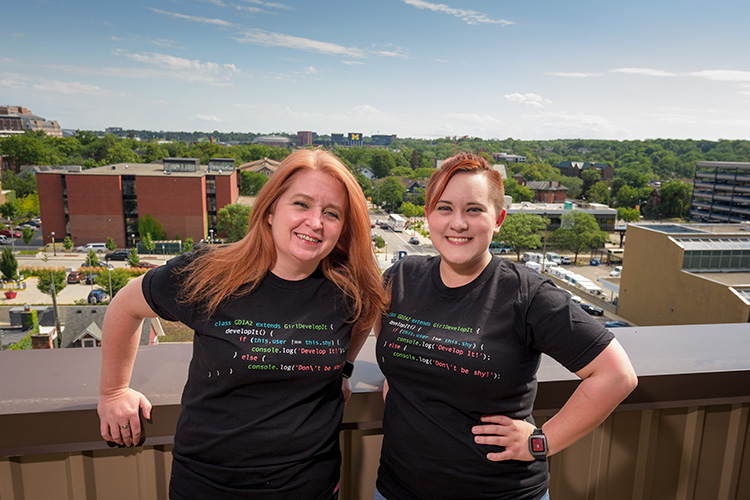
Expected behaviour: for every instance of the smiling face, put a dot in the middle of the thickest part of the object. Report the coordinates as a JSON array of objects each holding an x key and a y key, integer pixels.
[
  {"x": 461, "y": 227},
  {"x": 306, "y": 223}
]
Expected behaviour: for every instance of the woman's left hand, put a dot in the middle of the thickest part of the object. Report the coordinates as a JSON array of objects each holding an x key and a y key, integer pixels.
[
  {"x": 346, "y": 388},
  {"x": 513, "y": 435}
]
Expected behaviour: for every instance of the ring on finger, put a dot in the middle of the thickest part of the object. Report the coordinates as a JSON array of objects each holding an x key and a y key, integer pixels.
[{"x": 125, "y": 426}]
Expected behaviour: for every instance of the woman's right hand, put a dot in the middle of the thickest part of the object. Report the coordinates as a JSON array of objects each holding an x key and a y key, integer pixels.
[{"x": 119, "y": 420}]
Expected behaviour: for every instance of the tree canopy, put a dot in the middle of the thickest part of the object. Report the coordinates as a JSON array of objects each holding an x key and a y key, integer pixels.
[
  {"x": 578, "y": 232},
  {"x": 521, "y": 231}
]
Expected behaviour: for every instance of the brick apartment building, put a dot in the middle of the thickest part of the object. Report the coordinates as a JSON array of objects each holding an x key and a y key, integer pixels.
[
  {"x": 548, "y": 191},
  {"x": 17, "y": 119},
  {"x": 91, "y": 205}
]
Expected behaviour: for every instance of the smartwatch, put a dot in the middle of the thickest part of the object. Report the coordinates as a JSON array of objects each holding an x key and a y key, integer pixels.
[
  {"x": 538, "y": 445},
  {"x": 348, "y": 369}
]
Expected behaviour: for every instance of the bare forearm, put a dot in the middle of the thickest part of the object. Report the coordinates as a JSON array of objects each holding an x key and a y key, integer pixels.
[
  {"x": 593, "y": 401},
  {"x": 121, "y": 336}
]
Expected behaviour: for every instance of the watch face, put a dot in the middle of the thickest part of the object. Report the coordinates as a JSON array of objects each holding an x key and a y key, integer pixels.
[{"x": 537, "y": 445}]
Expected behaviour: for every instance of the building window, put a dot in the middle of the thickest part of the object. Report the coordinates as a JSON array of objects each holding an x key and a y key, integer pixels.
[{"x": 88, "y": 342}]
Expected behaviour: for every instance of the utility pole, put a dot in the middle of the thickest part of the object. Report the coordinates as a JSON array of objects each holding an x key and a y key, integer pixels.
[{"x": 54, "y": 306}]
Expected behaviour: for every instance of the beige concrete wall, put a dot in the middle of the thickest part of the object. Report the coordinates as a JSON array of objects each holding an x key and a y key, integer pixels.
[{"x": 655, "y": 291}]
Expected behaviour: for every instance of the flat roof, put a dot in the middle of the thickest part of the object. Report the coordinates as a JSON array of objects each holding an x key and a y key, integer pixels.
[
  {"x": 730, "y": 278},
  {"x": 140, "y": 169}
]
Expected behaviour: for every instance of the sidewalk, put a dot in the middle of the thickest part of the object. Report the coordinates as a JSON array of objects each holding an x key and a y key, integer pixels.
[{"x": 32, "y": 296}]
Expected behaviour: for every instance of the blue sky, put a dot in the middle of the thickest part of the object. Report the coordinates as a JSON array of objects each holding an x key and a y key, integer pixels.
[{"x": 483, "y": 68}]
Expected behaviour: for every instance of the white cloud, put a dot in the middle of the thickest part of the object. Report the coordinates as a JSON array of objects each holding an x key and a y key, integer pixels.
[
  {"x": 574, "y": 75},
  {"x": 352, "y": 63},
  {"x": 179, "y": 63},
  {"x": 13, "y": 80},
  {"x": 565, "y": 125},
  {"x": 644, "y": 71},
  {"x": 269, "y": 39},
  {"x": 468, "y": 16},
  {"x": 270, "y": 5},
  {"x": 532, "y": 100},
  {"x": 208, "y": 118},
  {"x": 205, "y": 20},
  {"x": 310, "y": 71},
  {"x": 722, "y": 75}
]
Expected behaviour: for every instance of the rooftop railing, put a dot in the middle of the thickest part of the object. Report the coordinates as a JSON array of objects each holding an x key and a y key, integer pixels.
[{"x": 682, "y": 434}]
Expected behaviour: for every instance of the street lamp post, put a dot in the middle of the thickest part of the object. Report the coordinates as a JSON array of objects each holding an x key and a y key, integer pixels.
[
  {"x": 54, "y": 247},
  {"x": 211, "y": 236}
]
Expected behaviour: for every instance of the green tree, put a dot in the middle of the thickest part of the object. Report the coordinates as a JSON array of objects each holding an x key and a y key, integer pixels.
[
  {"x": 628, "y": 214},
  {"x": 251, "y": 182},
  {"x": 627, "y": 197},
  {"x": 382, "y": 162},
  {"x": 379, "y": 241},
  {"x": 675, "y": 198},
  {"x": 578, "y": 233},
  {"x": 27, "y": 234},
  {"x": 67, "y": 243},
  {"x": 147, "y": 243},
  {"x": 111, "y": 245},
  {"x": 120, "y": 278},
  {"x": 521, "y": 231},
  {"x": 590, "y": 177},
  {"x": 92, "y": 259},
  {"x": 516, "y": 191},
  {"x": 409, "y": 210},
  {"x": 9, "y": 209},
  {"x": 58, "y": 278},
  {"x": 599, "y": 193},
  {"x": 133, "y": 259},
  {"x": 8, "y": 264},
  {"x": 30, "y": 205},
  {"x": 234, "y": 220},
  {"x": 391, "y": 193},
  {"x": 150, "y": 225},
  {"x": 187, "y": 245}
]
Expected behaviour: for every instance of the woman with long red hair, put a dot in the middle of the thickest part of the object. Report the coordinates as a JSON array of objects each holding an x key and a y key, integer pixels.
[{"x": 278, "y": 317}]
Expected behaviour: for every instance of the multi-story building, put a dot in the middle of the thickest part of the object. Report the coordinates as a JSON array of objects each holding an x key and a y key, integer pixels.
[
  {"x": 305, "y": 138},
  {"x": 548, "y": 191},
  {"x": 509, "y": 158},
  {"x": 605, "y": 216},
  {"x": 91, "y": 205},
  {"x": 17, "y": 120},
  {"x": 676, "y": 274},
  {"x": 721, "y": 192},
  {"x": 575, "y": 168}
]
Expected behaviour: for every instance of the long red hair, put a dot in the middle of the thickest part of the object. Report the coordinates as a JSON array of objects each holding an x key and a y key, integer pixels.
[{"x": 222, "y": 272}]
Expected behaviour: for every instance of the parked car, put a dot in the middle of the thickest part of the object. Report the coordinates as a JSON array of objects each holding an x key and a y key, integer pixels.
[
  {"x": 591, "y": 309},
  {"x": 616, "y": 273},
  {"x": 96, "y": 296},
  {"x": 146, "y": 265},
  {"x": 575, "y": 298},
  {"x": 10, "y": 234},
  {"x": 76, "y": 276},
  {"x": 33, "y": 223},
  {"x": 414, "y": 240},
  {"x": 91, "y": 278},
  {"x": 615, "y": 324},
  {"x": 565, "y": 260},
  {"x": 97, "y": 247},
  {"x": 595, "y": 261},
  {"x": 117, "y": 255}
]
